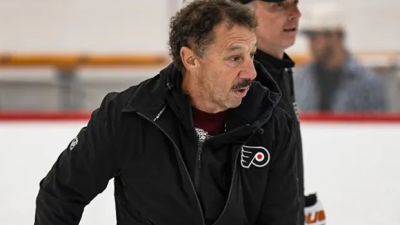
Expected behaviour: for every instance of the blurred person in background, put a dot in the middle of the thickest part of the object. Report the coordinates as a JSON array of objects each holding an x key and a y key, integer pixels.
[
  {"x": 200, "y": 143},
  {"x": 334, "y": 81}
]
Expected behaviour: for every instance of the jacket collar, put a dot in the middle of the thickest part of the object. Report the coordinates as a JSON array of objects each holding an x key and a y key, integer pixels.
[
  {"x": 275, "y": 63},
  {"x": 149, "y": 97}
]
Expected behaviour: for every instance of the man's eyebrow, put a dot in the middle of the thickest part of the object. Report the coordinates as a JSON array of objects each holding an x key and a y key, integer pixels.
[{"x": 234, "y": 48}]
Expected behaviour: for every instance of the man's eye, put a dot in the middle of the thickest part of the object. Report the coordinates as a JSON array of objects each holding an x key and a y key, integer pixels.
[
  {"x": 280, "y": 5},
  {"x": 236, "y": 58}
]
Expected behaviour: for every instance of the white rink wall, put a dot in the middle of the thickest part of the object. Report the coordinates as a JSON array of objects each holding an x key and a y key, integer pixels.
[
  {"x": 353, "y": 167},
  {"x": 126, "y": 26}
]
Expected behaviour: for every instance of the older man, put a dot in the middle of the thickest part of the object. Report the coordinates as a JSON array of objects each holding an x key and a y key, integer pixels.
[{"x": 200, "y": 143}]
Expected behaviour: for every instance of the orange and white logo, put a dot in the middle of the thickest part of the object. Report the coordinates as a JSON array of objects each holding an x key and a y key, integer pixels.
[
  {"x": 314, "y": 214},
  {"x": 315, "y": 218}
]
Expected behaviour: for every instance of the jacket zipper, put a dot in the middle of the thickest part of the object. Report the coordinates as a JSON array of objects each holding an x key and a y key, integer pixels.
[
  {"x": 181, "y": 160},
  {"x": 201, "y": 138},
  {"x": 230, "y": 189}
]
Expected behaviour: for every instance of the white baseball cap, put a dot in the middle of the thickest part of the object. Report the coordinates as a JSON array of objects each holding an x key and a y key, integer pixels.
[{"x": 322, "y": 17}]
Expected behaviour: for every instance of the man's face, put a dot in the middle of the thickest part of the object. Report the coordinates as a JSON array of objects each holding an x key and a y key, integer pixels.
[
  {"x": 277, "y": 25},
  {"x": 322, "y": 45},
  {"x": 226, "y": 68}
]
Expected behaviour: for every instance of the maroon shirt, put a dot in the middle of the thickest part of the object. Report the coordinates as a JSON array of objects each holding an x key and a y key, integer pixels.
[{"x": 212, "y": 123}]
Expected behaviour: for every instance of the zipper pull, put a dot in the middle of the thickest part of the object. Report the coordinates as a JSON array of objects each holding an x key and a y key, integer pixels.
[{"x": 202, "y": 135}]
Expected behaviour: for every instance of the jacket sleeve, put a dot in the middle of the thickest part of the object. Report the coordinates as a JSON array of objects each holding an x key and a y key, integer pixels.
[
  {"x": 282, "y": 201},
  {"x": 80, "y": 172}
]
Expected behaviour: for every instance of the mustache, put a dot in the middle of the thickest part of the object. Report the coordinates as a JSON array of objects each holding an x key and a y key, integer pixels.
[{"x": 243, "y": 84}]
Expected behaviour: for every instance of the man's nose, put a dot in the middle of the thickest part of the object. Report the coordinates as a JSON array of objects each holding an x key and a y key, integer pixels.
[
  {"x": 295, "y": 12},
  {"x": 249, "y": 71}
]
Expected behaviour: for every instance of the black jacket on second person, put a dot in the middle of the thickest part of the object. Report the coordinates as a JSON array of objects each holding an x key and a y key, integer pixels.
[
  {"x": 281, "y": 72},
  {"x": 144, "y": 138}
]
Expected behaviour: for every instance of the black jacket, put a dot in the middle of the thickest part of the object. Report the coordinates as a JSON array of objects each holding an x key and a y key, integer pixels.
[
  {"x": 144, "y": 138},
  {"x": 281, "y": 72}
]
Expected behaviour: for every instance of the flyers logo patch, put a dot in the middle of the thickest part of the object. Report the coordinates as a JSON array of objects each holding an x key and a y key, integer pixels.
[{"x": 254, "y": 155}]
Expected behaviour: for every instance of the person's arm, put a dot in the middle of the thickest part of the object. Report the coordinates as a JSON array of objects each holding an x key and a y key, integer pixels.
[
  {"x": 282, "y": 201},
  {"x": 80, "y": 172}
]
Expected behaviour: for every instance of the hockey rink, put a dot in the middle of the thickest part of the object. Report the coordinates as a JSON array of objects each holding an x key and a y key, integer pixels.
[{"x": 354, "y": 168}]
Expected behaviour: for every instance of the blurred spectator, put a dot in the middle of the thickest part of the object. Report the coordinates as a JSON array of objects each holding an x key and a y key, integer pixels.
[{"x": 334, "y": 81}]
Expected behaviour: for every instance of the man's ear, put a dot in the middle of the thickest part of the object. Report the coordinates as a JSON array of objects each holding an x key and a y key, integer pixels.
[{"x": 188, "y": 57}]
